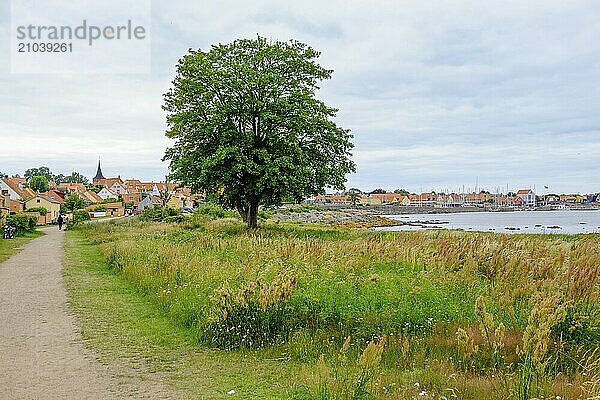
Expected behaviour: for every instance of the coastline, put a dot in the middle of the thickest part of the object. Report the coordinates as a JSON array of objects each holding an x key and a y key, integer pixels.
[{"x": 383, "y": 216}]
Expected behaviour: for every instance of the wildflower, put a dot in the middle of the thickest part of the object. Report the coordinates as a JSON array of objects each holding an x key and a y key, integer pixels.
[
  {"x": 423, "y": 393},
  {"x": 231, "y": 392}
]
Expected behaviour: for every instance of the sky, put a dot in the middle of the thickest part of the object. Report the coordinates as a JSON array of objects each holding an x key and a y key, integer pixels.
[{"x": 439, "y": 95}]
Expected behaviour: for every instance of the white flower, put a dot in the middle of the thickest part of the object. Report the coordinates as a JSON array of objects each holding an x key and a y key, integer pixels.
[
  {"x": 231, "y": 392},
  {"x": 423, "y": 393}
]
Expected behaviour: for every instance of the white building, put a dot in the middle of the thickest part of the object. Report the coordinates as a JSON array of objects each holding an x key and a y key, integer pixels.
[
  {"x": 528, "y": 197},
  {"x": 106, "y": 193}
]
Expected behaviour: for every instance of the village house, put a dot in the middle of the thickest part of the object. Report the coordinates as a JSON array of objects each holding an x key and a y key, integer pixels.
[
  {"x": 388, "y": 198},
  {"x": 178, "y": 201},
  {"x": 572, "y": 198},
  {"x": 91, "y": 197},
  {"x": 132, "y": 196},
  {"x": 56, "y": 195},
  {"x": 50, "y": 204},
  {"x": 133, "y": 184},
  {"x": 423, "y": 199},
  {"x": 116, "y": 186},
  {"x": 528, "y": 197},
  {"x": 148, "y": 202},
  {"x": 115, "y": 209},
  {"x": 365, "y": 199},
  {"x": 106, "y": 193},
  {"x": 16, "y": 188},
  {"x": 448, "y": 200}
]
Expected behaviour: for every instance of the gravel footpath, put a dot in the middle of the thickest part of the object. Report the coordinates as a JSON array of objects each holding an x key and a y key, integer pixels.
[{"x": 42, "y": 355}]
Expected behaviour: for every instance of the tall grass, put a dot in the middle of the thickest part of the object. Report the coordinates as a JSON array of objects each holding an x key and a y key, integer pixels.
[{"x": 465, "y": 314}]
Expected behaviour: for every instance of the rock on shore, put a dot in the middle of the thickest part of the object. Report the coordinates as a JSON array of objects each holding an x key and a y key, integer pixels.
[{"x": 349, "y": 217}]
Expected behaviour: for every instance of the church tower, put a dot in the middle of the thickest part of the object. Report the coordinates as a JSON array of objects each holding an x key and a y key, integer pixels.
[{"x": 99, "y": 178}]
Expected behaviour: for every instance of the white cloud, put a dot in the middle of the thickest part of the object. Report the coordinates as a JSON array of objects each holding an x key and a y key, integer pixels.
[{"x": 437, "y": 94}]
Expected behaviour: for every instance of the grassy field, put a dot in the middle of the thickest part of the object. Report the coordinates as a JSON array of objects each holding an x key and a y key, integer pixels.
[
  {"x": 8, "y": 247},
  {"x": 145, "y": 349},
  {"x": 354, "y": 314}
]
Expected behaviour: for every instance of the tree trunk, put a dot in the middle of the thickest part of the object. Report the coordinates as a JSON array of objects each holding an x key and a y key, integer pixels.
[
  {"x": 243, "y": 213},
  {"x": 249, "y": 213},
  {"x": 252, "y": 215}
]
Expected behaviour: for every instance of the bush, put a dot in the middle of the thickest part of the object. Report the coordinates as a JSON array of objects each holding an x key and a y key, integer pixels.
[
  {"x": 158, "y": 213},
  {"x": 40, "y": 210},
  {"x": 78, "y": 217},
  {"x": 215, "y": 211},
  {"x": 22, "y": 223}
]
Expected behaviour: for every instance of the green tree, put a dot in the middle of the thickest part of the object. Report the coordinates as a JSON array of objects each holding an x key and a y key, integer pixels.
[
  {"x": 39, "y": 183},
  {"x": 354, "y": 195},
  {"x": 402, "y": 191},
  {"x": 60, "y": 178},
  {"x": 93, "y": 188},
  {"x": 75, "y": 177},
  {"x": 72, "y": 202},
  {"x": 40, "y": 171},
  {"x": 248, "y": 125}
]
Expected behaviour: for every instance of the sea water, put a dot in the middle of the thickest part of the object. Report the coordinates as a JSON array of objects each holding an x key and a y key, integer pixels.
[{"x": 561, "y": 221}]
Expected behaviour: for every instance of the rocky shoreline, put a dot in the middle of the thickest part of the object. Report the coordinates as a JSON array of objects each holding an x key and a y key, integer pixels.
[
  {"x": 354, "y": 218},
  {"x": 371, "y": 217}
]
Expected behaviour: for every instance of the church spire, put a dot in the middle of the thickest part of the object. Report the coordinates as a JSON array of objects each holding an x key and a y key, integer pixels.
[{"x": 99, "y": 172}]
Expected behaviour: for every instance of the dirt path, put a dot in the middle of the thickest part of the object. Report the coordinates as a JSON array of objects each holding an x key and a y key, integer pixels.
[{"x": 41, "y": 353}]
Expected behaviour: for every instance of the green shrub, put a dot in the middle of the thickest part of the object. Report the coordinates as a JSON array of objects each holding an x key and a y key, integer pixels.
[
  {"x": 22, "y": 223},
  {"x": 81, "y": 215},
  {"x": 40, "y": 210},
  {"x": 157, "y": 213},
  {"x": 215, "y": 211},
  {"x": 78, "y": 217}
]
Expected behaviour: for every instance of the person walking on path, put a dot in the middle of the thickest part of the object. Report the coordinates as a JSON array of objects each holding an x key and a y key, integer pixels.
[{"x": 60, "y": 221}]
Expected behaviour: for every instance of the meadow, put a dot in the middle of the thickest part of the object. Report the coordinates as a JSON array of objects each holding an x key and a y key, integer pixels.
[{"x": 358, "y": 314}]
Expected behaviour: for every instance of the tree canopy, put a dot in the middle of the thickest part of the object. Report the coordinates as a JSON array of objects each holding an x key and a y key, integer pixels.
[
  {"x": 72, "y": 202},
  {"x": 378, "y": 191},
  {"x": 249, "y": 128},
  {"x": 74, "y": 177},
  {"x": 39, "y": 183},
  {"x": 41, "y": 171}
]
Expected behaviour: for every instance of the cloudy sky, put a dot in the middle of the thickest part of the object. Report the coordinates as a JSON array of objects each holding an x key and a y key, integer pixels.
[{"x": 438, "y": 94}]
